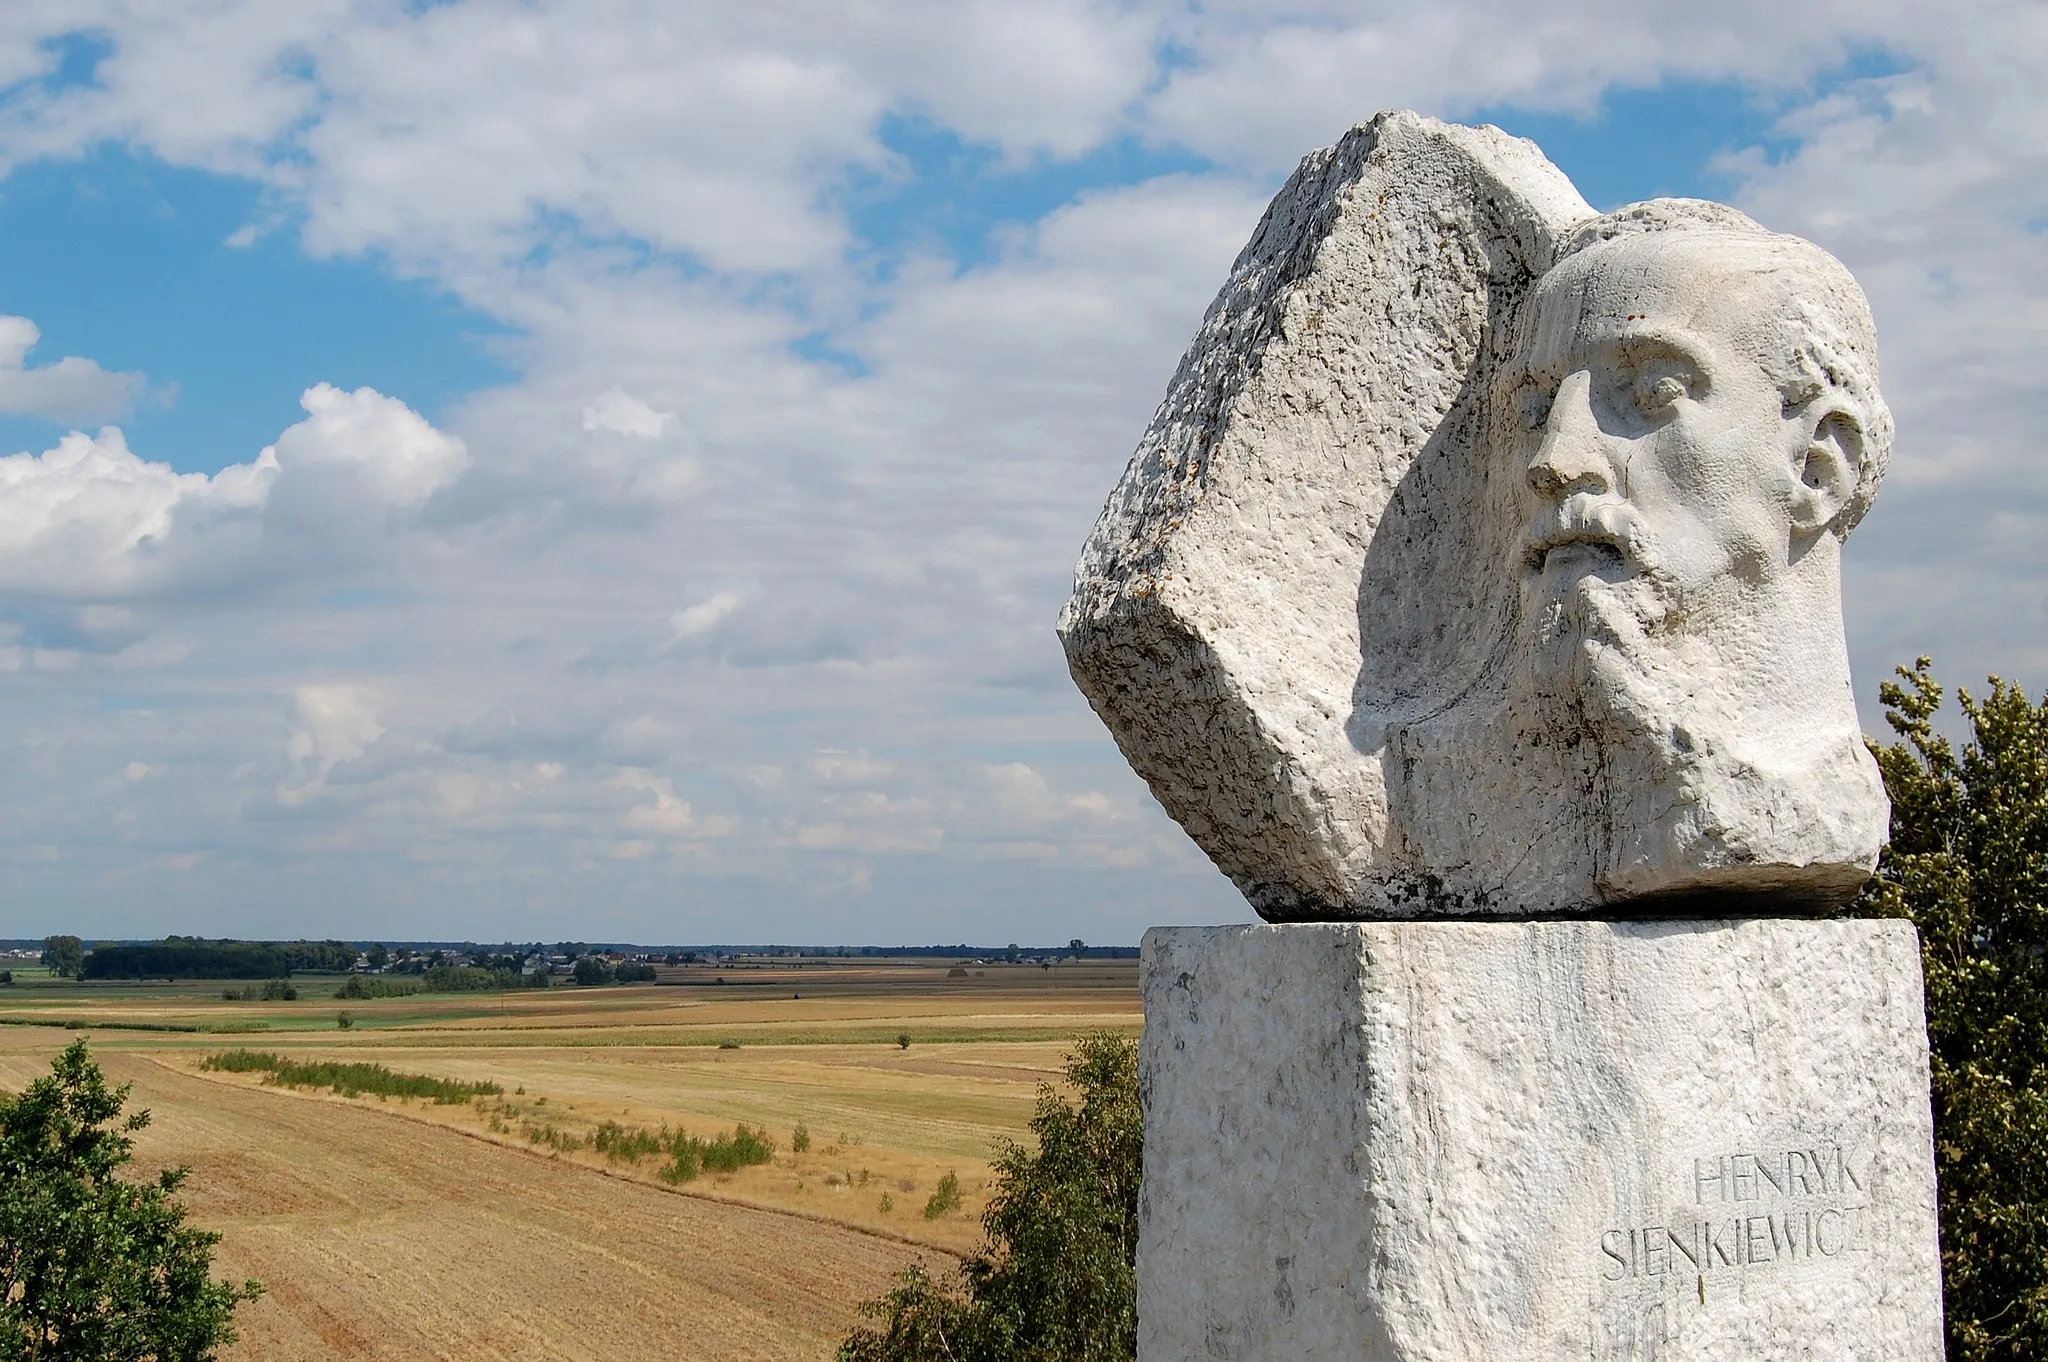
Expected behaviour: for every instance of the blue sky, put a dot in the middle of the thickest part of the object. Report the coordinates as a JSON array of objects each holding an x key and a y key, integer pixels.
[
  {"x": 684, "y": 433},
  {"x": 138, "y": 264},
  {"x": 123, "y": 258}
]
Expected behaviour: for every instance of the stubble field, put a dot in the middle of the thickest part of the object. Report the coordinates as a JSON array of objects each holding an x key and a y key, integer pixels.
[{"x": 389, "y": 1228}]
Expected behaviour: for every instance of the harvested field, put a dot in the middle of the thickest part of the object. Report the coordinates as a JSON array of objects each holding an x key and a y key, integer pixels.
[
  {"x": 496, "y": 1229},
  {"x": 382, "y": 1237}
]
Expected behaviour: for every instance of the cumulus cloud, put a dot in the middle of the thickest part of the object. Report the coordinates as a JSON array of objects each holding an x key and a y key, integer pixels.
[
  {"x": 72, "y": 391},
  {"x": 376, "y": 444},
  {"x": 91, "y": 518}
]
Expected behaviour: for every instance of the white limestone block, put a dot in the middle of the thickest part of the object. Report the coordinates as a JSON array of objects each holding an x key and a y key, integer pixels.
[
  {"x": 1484, "y": 555},
  {"x": 1471, "y": 1141}
]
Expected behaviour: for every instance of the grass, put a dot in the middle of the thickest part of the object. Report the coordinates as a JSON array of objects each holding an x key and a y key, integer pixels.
[{"x": 348, "y": 1079}]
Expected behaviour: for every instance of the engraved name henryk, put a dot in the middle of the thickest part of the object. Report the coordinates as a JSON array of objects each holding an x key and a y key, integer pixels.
[{"x": 1750, "y": 1210}]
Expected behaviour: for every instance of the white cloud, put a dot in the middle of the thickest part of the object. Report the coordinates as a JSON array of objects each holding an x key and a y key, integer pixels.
[
  {"x": 668, "y": 816},
  {"x": 380, "y": 445},
  {"x": 620, "y": 413},
  {"x": 72, "y": 391},
  {"x": 705, "y": 615},
  {"x": 91, "y": 518},
  {"x": 337, "y": 722}
]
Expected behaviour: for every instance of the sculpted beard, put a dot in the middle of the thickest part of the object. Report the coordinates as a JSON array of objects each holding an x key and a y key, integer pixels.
[{"x": 1600, "y": 612}]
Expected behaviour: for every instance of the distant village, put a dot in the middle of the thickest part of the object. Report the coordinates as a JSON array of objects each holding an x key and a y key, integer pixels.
[{"x": 535, "y": 963}]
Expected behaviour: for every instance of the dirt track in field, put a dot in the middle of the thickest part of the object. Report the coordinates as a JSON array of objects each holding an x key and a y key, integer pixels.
[{"x": 386, "y": 1238}]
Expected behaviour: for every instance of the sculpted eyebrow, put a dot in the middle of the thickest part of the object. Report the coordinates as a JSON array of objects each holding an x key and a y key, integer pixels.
[{"x": 1683, "y": 344}]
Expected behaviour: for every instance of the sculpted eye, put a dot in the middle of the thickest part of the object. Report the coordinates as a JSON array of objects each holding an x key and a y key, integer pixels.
[{"x": 1658, "y": 386}]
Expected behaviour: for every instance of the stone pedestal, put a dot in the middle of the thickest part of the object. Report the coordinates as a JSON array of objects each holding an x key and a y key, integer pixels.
[{"x": 1473, "y": 1142}]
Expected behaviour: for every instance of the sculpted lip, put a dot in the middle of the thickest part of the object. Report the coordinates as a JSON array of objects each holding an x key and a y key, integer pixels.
[
  {"x": 1601, "y": 531},
  {"x": 1604, "y": 547}
]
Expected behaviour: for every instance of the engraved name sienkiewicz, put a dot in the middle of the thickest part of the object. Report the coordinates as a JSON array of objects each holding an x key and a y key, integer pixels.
[{"x": 1750, "y": 1209}]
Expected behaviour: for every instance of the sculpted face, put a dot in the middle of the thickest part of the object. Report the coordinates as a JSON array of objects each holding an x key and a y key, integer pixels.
[
  {"x": 1665, "y": 478},
  {"x": 1504, "y": 577}
]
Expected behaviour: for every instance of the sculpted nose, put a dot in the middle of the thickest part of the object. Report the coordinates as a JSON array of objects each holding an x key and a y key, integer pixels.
[{"x": 1573, "y": 456}]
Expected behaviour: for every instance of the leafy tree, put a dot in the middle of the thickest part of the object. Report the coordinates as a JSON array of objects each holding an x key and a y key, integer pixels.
[
  {"x": 467, "y": 979},
  {"x": 190, "y": 958},
  {"x": 591, "y": 970},
  {"x": 377, "y": 957},
  {"x": 1968, "y": 863},
  {"x": 64, "y": 956},
  {"x": 1055, "y": 1281},
  {"x": 94, "y": 1268}
]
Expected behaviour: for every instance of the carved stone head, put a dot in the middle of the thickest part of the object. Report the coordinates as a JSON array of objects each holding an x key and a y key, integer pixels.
[
  {"x": 1485, "y": 555},
  {"x": 1694, "y": 401}
]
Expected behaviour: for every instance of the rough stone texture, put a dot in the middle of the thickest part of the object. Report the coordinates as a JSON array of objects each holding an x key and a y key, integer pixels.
[
  {"x": 1399, "y": 1142},
  {"x": 1446, "y": 582}
]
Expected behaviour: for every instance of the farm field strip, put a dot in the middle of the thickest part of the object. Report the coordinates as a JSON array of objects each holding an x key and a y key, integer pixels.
[{"x": 387, "y": 1239}]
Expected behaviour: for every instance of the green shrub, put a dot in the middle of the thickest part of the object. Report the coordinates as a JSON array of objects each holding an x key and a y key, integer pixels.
[
  {"x": 741, "y": 1149},
  {"x": 1968, "y": 863},
  {"x": 946, "y": 1197},
  {"x": 270, "y": 991},
  {"x": 344, "y": 1020},
  {"x": 94, "y": 1268},
  {"x": 903, "y": 1040},
  {"x": 800, "y": 1139},
  {"x": 684, "y": 1165},
  {"x": 691, "y": 1156},
  {"x": 630, "y": 1143},
  {"x": 1055, "y": 1281},
  {"x": 350, "y": 1080},
  {"x": 553, "y": 1136},
  {"x": 357, "y": 988}
]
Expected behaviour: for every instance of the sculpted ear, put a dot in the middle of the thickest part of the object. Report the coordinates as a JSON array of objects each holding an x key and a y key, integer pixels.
[{"x": 1830, "y": 464}]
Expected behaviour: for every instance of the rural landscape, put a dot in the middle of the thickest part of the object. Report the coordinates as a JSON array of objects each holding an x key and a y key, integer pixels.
[
  {"x": 554, "y": 553},
  {"x": 722, "y": 1162}
]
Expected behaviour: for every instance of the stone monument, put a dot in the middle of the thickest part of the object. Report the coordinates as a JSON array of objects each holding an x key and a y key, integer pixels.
[{"x": 1474, "y": 601}]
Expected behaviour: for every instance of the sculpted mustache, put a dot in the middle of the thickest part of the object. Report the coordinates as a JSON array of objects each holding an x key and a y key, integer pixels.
[{"x": 1587, "y": 520}]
